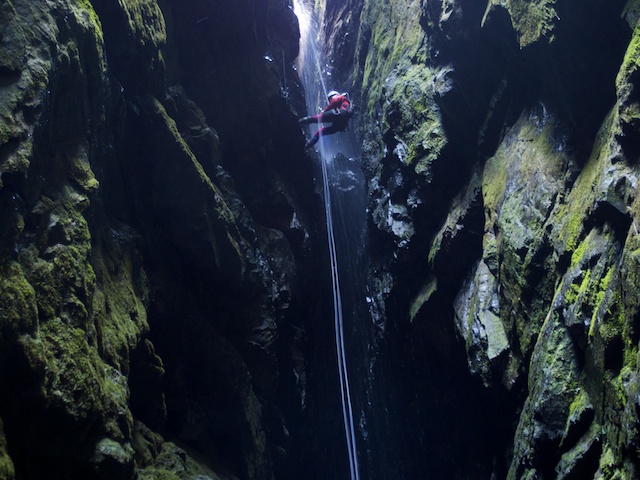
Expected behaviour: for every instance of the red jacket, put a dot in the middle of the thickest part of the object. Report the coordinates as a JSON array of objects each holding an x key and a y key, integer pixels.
[{"x": 338, "y": 102}]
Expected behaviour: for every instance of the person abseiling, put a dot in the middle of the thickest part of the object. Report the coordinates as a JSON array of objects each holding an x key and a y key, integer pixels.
[{"x": 337, "y": 112}]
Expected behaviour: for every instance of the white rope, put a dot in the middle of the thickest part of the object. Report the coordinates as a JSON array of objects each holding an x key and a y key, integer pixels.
[
  {"x": 347, "y": 409},
  {"x": 308, "y": 35}
]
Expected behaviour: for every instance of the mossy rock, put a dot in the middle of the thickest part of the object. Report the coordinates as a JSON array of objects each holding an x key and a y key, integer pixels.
[
  {"x": 79, "y": 169},
  {"x": 18, "y": 307},
  {"x": 137, "y": 32},
  {"x": 479, "y": 324},
  {"x": 389, "y": 48},
  {"x": 405, "y": 137},
  {"x": 13, "y": 59},
  {"x": 63, "y": 278},
  {"x": 628, "y": 126},
  {"x": 459, "y": 215},
  {"x": 411, "y": 113},
  {"x": 631, "y": 61},
  {"x": 112, "y": 460},
  {"x": 147, "y": 22},
  {"x": 520, "y": 187},
  {"x": 13, "y": 53},
  {"x": 76, "y": 386},
  {"x": 590, "y": 285},
  {"x": 632, "y": 12},
  {"x": 84, "y": 8},
  {"x": 7, "y": 471},
  {"x": 146, "y": 444},
  {"x": 25, "y": 69},
  {"x": 174, "y": 463},
  {"x": 118, "y": 307},
  {"x": 533, "y": 21},
  {"x": 74, "y": 371},
  {"x": 205, "y": 228}
]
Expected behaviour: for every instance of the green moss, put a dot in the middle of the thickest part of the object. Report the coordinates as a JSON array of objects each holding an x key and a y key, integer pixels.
[
  {"x": 80, "y": 171},
  {"x": 73, "y": 369},
  {"x": 412, "y": 113},
  {"x": 494, "y": 182},
  {"x": 630, "y": 353},
  {"x": 631, "y": 61},
  {"x": 608, "y": 306},
  {"x": 577, "y": 292},
  {"x": 423, "y": 297},
  {"x": 630, "y": 291},
  {"x": 73, "y": 271},
  {"x": 146, "y": 21},
  {"x": 532, "y": 20},
  {"x": 605, "y": 285},
  {"x": 86, "y": 6},
  {"x": 48, "y": 295},
  {"x": 608, "y": 463},
  {"x": 578, "y": 255},
  {"x": 35, "y": 354},
  {"x": 174, "y": 463},
  {"x": 593, "y": 288},
  {"x": 76, "y": 381},
  {"x": 378, "y": 64},
  {"x": 389, "y": 48},
  {"x": 18, "y": 158},
  {"x": 109, "y": 451},
  {"x": 152, "y": 473},
  {"x": 580, "y": 404},
  {"x": 579, "y": 261},
  {"x": 63, "y": 281},
  {"x": 12, "y": 55},
  {"x": 18, "y": 307},
  {"x": 571, "y": 215},
  {"x": 526, "y": 154},
  {"x": 118, "y": 419},
  {"x": 629, "y": 110}
]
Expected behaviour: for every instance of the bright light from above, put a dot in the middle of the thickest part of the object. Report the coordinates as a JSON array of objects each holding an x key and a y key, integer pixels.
[{"x": 304, "y": 20}]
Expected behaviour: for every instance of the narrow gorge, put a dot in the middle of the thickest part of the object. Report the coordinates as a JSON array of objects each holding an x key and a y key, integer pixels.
[{"x": 166, "y": 307}]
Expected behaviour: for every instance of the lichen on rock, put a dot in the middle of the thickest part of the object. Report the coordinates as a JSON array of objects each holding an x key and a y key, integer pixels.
[
  {"x": 540, "y": 246},
  {"x": 520, "y": 184},
  {"x": 159, "y": 227},
  {"x": 552, "y": 388},
  {"x": 18, "y": 302},
  {"x": 534, "y": 21},
  {"x": 413, "y": 117},
  {"x": 478, "y": 321}
]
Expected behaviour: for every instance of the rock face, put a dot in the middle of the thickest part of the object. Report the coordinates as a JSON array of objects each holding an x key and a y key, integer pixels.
[
  {"x": 155, "y": 230},
  {"x": 500, "y": 145}
]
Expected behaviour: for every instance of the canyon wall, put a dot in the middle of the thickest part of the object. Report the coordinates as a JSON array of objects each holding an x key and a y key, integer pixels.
[
  {"x": 500, "y": 142},
  {"x": 157, "y": 230}
]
